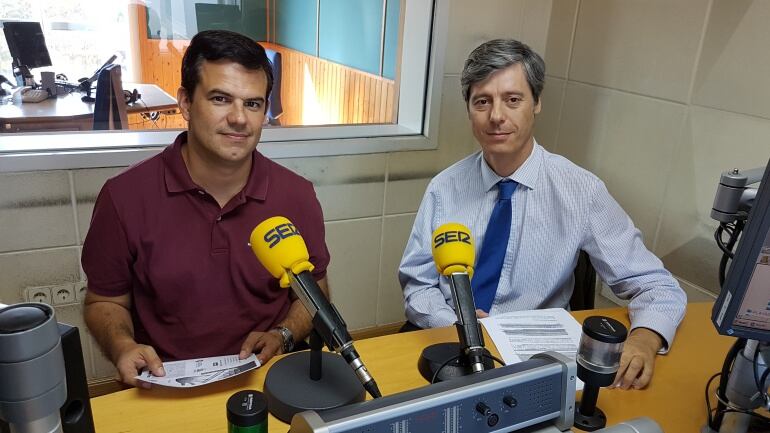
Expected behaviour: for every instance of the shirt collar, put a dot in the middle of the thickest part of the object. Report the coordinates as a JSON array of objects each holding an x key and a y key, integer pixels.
[
  {"x": 178, "y": 179},
  {"x": 525, "y": 175}
]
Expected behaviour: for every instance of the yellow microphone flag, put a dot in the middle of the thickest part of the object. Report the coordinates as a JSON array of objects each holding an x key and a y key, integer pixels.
[
  {"x": 452, "y": 248},
  {"x": 279, "y": 246}
]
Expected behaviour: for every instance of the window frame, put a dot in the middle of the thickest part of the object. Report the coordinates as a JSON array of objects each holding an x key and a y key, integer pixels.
[{"x": 419, "y": 100}]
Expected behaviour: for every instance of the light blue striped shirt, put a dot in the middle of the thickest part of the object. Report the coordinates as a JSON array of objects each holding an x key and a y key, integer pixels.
[{"x": 558, "y": 210}]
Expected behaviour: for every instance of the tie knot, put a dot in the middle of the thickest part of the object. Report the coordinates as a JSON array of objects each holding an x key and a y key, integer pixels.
[{"x": 507, "y": 187}]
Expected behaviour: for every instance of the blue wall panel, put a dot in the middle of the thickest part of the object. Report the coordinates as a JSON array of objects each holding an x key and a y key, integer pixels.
[
  {"x": 295, "y": 24},
  {"x": 350, "y": 32},
  {"x": 392, "y": 23}
]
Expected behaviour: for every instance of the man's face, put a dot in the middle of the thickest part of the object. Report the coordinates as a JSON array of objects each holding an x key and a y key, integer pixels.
[
  {"x": 226, "y": 111},
  {"x": 502, "y": 113}
]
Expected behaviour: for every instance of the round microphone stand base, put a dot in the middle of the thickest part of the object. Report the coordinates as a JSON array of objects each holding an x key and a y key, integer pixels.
[
  {"x": 290, "y": 390},
  {"x": 438, "y": 356},
  {"x": 589, "y": 423}
]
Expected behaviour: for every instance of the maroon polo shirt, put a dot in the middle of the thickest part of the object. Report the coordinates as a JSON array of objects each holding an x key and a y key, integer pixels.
[{"x": 197, "y": 288}]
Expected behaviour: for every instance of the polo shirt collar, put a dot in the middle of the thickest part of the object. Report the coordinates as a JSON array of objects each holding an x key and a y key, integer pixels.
[
  {"x": 525, "y": 175},
  {"x": 178, "y": 179},
  {"x": 259, "y": 179}
]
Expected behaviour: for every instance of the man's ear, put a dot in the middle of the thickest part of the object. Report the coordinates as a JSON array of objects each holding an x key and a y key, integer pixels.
[
  {"x": 184, "y": 101},
  {"x": 538, "y": 106}
]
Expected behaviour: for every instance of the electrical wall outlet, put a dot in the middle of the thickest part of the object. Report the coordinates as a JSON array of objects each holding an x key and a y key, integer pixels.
[
  {"x": 63, "y": 294},
  {"x": 38, "y": 294},
  {"x": 81, "y": 287}
]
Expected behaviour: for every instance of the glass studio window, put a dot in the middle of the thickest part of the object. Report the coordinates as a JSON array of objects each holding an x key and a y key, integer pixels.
[
  {"x": 336, "y": 59},
  {"x": 357, "y": 76}
]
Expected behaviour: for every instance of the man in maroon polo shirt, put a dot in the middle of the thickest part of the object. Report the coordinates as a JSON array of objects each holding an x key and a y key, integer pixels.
[{"x": 170, "y": 272}]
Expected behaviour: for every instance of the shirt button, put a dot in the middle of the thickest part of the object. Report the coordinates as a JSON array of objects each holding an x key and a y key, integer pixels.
[
  {"x": 219, "y": 218},
  {"x": 201, "y": 192}
]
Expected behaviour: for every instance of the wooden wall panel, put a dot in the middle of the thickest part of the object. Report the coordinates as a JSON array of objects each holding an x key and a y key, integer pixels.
[
  {"x": 314, "y": 91},
  {"x": 159, "y": 65}
]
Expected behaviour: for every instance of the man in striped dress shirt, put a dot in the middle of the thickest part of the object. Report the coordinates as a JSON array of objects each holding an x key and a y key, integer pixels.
[{"x": 557, "y": 210}]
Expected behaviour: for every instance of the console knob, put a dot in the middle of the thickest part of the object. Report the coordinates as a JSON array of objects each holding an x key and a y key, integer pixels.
[
  {"x": 483, "y": 409},
  {"x": 509, "y": 401}
]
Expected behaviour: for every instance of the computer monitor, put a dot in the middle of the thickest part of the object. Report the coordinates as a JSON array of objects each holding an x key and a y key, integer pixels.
[
  {"x": 743, "y": 307},
  {"x": 26, "y": 43}
]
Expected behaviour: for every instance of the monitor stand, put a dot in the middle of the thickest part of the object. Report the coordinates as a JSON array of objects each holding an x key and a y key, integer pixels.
[{"x": 23, "y": 76}]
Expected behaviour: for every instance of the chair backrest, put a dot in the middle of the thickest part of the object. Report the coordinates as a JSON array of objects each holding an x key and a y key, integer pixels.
[
  {"x": 585, "y": 284},
  {"x": 275, "y": 109},
  {"x": 110, "y": 106}
]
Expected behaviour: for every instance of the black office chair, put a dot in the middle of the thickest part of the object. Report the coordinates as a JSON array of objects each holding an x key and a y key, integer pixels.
[
  {"x": 582, "y": 295},
  {"x": 110, "y": 110},
  {"x": 275, "y": 110},
  {"x": 585, "y": 284}
]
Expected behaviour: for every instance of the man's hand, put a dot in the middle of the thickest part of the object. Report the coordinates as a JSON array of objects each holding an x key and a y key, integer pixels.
[
  {"x": 480, "y": 314},
  {"x": 131, "y": 358},
  {"x": 638, "y": 359},
  {"x": 265, "y": 344}
]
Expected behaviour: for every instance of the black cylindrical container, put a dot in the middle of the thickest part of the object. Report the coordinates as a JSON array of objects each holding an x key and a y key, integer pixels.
[{"x": 247, "y": 412}]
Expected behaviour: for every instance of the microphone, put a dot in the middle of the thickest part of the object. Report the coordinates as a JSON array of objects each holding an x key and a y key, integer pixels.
[
  {"x": 280, "y": 248},
  {"x": 454, "y": 256}
]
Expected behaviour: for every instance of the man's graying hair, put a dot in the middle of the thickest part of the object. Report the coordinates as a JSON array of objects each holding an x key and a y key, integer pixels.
[{"x": 499, "y": 54}]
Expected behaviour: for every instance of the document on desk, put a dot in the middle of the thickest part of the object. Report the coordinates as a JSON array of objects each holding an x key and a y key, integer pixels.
[
  {"x": 520, "y": 334},
  {"x": 196, "y": 372}
]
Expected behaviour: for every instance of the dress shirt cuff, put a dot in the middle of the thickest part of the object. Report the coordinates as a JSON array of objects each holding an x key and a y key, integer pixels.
[{"x": 658, "y": 322}]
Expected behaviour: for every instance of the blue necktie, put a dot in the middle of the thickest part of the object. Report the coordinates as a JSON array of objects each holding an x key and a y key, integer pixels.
[{"x": 490, "y": 262}]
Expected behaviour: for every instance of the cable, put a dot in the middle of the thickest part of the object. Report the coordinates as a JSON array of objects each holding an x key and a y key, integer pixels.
[
  {"x": 485, "y": 355},
  {"x": 736, "y": 348},
  {"x": 754, "y": 370},
  {"x": 708, "y": 400},
  {"x": 435, "y": 375},
  {"x": 763, "y": 419},
  {"x": 150, "y": 115},
  {"x": 494, "y": 358},
  {"x": 718, "y": 238},
  {"x": 761, "y": 387},
  {"x": 719, "y": 414},
  {"x": 734, "y": 231},
  {"x": 762, "y": 381}
]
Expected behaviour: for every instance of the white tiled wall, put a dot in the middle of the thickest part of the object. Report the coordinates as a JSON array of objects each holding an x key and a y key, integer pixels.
[
  {"x": 643, "y": 93},
  {"x": 645, "y": 47},
  {"x": 87, "y": 184},
  {"x": 354, "y": 246},
  {"x": 733, "y": 68},
  {"x": 395, "y": 233},
  {"x": 661, "y": 97},
  {"x": 36, "y": 211}
]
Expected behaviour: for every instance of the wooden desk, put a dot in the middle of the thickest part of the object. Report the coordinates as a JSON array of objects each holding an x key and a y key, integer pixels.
[
  {"x": 69, "y": 113},
  {"x": 674, "y": 398}
]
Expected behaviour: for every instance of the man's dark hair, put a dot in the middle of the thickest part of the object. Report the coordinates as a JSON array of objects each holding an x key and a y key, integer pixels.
[
  {"x": 498, "y": 54},
  {"x": 213, "y": 45}
]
